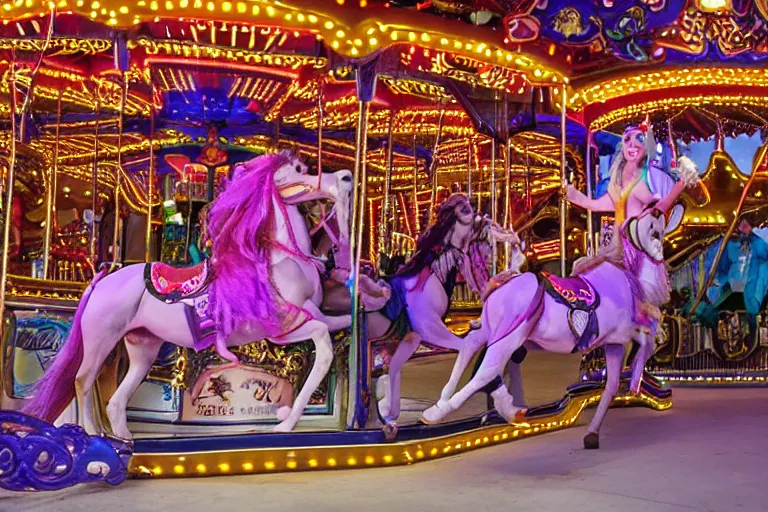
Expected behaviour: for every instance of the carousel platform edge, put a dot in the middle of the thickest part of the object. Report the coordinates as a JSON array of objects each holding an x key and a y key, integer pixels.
[{"x": 274, "y": 453}]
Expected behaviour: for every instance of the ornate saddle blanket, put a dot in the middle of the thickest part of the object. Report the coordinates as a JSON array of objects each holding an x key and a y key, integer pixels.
[
  {"x": 188, "y": 285},
  {"x": 581, "y": 299},
  {"x": 173, "y": 284}
]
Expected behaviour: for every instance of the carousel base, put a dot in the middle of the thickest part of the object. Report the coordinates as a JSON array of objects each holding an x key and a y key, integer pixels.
[
  {"x": 270, "y": 453},
  {"x": 751, "y": 379}
]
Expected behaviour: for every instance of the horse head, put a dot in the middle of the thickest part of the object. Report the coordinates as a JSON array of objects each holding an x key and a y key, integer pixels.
[{"x": 646, "y": 232}]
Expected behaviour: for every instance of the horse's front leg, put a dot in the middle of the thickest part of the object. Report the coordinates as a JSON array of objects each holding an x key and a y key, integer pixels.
[
  {"x": 334, "y": 323},
  {"x": 318, "y": 333}
]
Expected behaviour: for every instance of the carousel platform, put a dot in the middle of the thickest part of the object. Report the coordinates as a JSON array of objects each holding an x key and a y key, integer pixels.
[{"x": 305, "y": 451}]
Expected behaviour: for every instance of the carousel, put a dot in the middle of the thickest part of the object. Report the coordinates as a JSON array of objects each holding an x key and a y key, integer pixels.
[{"x": 254, "y": 237}]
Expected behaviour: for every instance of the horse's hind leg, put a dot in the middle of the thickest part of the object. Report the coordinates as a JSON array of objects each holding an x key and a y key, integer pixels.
[
  {"x": 142, "y": 351},
  {"x": 491, "y": 367},
  {"x": 645, "y": 347},
  {"x": 614, "y": 357},
  {"x": 96, "y": 348},
  {"x": 319, "y": 334}
]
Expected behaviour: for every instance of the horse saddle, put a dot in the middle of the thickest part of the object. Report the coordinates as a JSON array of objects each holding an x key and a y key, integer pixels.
[
  {"x": 581, "y": 299},
  {"x": 174, "y": 284}
]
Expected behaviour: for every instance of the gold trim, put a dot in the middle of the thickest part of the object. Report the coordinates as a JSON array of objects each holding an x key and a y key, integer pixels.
[
  {"x": 273, "y": 460},
  {"x": 351, "y": 31}
]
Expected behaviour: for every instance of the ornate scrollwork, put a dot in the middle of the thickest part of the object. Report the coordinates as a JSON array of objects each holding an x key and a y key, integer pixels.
[{"x": 35, "y": 455}]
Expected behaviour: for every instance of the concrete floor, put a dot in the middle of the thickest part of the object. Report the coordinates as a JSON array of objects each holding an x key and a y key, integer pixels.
[{"x": 708, "y": 453}]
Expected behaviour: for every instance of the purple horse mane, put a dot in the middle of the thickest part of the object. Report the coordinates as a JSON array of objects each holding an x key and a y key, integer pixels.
[
  {"x": 240, "y": 223},
  {"x": 429, "y": 244}
]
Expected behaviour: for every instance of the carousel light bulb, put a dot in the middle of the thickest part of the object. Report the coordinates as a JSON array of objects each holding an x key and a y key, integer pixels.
[
  {"x": 270, "y": 11},
  {"x": 123, "y": 10},
  {"x": 224, "y": 467},
  {"x": 226, "y": 6},
  {"x": 373, "y": 42},
  {"x": 312, "y": 18},
  {"x": 269, "y": 465},
  {"x": 248, "y": 466}
]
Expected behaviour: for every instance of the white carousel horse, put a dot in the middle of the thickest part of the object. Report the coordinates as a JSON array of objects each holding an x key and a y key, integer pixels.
[
  {"x": 459, "y": 241},
  {"x": 601, "y": 307},
  {"x": 261, "y": 284}
]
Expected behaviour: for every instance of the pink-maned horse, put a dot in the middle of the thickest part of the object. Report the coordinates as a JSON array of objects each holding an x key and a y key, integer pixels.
[
  {"x": 263, "y": 285},
  {"x": 521, "y": 309}
]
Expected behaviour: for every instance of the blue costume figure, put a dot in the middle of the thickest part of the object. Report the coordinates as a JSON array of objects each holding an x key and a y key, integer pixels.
[{"x": 743, "y": 268}]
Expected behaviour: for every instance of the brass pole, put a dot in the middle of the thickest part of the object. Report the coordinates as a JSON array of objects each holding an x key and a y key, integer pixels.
[
  {"x": 433, "y": 164},
  {"x": 356, "y": 250},
  {"x": 416, "y": 187},
  {"x": 53, "y": 185},
  {"x": 563, "y": 183},
  {"x": 469, "y": 169},
  {"x": 590, "y": 173},
  {"x": 384, "y": 225},
  {"x": 151, "y": 180},
  {"x": 119, "y": 174},
  {"x": 95, "y": 179},
  {"x": 10, "y": 179},
  {"x": 320, "y": 121},
  {"x": 494, "y": 193}
]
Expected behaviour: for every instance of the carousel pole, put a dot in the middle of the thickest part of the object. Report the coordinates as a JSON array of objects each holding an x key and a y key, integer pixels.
[
  {"x": 119, "y": 174},
  {"x": 10, "y": 179},
  {"x": 494, "y": 199},
  {"x": 150, "y": 180},
  {"x": 384, "y": 221},
  {"x": 95, "y": 178},
  {"x": 416, "y": 185},
  {"x": 469, "y": 169},
  {"x": 320, "y": 121},
  {"x": 563, "y": 183},
  {"x": 433, "y": 165},
  {"x": 50, "y": 199},
  {"x": 507, "y": 177},
  {"x": 359, "y": 365},
  {"x": 590, "y": 226}
]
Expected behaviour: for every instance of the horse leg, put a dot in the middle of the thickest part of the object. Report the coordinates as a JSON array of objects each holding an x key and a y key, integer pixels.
[
  {"x": 318, "y": 332},
  {"x": 142, "y": 351},
  {"x": 334, "y": 323},
  {"x": 389, "y": 405},
  {"x": 514, "y": 382},
  {"x": 491, "y": 367},
  {"x": 474, "y": 341},
  {"x": 643, "y": 352},
  {"x": 614, "y": 357}
]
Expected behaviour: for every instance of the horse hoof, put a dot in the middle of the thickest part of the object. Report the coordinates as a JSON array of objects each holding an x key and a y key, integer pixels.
[
  {"x": 520, "y": 416},
  {"x": 284, "y": 427},
  {"x": 390, "y": 430},
  {"x": 437, "y": 412},
  {"x": 591, "y": 441},
  {"x": 283, "y": 412}
]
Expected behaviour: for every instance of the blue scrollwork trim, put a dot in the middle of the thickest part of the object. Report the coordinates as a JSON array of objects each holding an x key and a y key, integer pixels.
[{"x": 36, "y": 456}]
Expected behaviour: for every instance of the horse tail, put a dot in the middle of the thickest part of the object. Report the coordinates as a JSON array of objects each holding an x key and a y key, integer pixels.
[{"x": 56, "y": 389}]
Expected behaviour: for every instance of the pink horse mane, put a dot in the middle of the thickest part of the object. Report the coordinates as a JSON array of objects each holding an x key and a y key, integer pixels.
[{"x": 241, "y": 225}]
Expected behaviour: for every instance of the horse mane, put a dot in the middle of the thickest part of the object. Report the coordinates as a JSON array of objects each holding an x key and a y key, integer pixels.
[
  {"x": 241, "y": 223},
  {"x": 612, "y": 253},
  {"x": 432, "y": 239}
]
